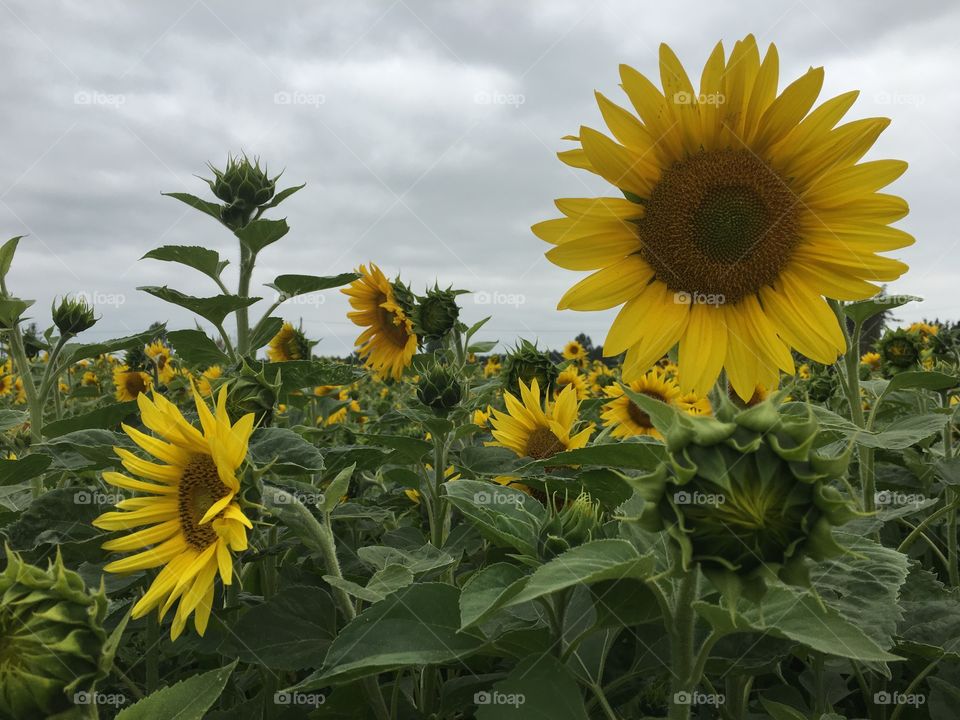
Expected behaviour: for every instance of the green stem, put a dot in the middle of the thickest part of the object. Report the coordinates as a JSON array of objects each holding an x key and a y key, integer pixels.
[
  {"x": 604, "y": 703},
  {"x": 438, "y": 506},
  {"x": 913, "y": 686},
  {"x": 153, "y": 653},
  {"x": 927, "y": 521},
  {"x": 247, "y": 262},
  {"x": 953, "y": 558},
  {"x": 682, "y": 682}
]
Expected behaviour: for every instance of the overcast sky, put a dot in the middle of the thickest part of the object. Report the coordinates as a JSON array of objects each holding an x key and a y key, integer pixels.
[{"x": 426, "y": 133}]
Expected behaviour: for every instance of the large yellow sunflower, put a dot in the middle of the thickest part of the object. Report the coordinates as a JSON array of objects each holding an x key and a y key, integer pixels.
[
  {"x": 193, "y": 518},
  {"x": 625, "y": 417},
  {"x": 743, "y": 208},
  {"x": 388, "y": 343},
  {"x": 129, "y": 384},
  {"x": 536, "y": 431}
]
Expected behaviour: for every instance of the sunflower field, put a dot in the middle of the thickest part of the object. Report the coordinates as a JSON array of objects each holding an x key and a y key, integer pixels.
[{"x": 744, "y": 504}]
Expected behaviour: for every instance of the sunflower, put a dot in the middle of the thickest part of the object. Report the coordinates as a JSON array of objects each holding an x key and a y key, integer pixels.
[
  {"x": 624, "y": 417},
  {"x": 573, "y": 350},
  {"x": 129, "y": 383},
  {"x": 194, "y": 517},
  {"x": 388, "y": 343},
  {"x": 694, "y": 404},
  {"x": 6, "y": 385},
  {"x": 871, "y": 359},
  {"x": 90, "y": 379},
  {"x": 214, "y": 372},
  {"x": 492, "y": 367},
  {"x": 20, "y": 390},
  {"x": 288, "y": 344},
  {"x": 742, "y": 209},
  {"x": 571, "y": 377},
  {"x": 536, "y": 431},
  {"x": 160, "y": 356}
]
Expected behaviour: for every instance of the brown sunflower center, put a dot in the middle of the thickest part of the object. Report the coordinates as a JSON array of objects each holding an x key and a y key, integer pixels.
[
  {"x": 395, "y": 332},
  {"x": 200, "y": 487},
  {"x": 639, "y": 416},
  {"x": 719, "y": 226},
  {"x": 542, "y": 443},
  {"x": 134, "y": 383}
]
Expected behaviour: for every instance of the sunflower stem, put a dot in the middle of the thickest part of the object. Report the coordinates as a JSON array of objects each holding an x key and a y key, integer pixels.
[
  {"x": 247, "y": 261},
  {"x": 153, "y": 653},
  {"x": 953, "y": 559},
  {"x": 681, "y": 631}
]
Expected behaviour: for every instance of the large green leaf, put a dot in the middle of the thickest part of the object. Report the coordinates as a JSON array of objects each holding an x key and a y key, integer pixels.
[
  {"x": 292, "y": 285},
  {"x": 196, "y": 349},
  {"x": 931, "y": 616},
  {"x": 203, "y": 259},
  {"x": 863, "y": 310},
  {"x": 539, "y": 687},
  {"x": 7, "y": 252},
  {"x": 75, "y": 352},
  {"x": 503, "y": 515},
  {"x": 205, "y": 206},
  {"x": 258, "y": 234},
  {"x": 285, "y": 451},
  {"x": 22, "y": 469},
  {"x": 925, "y": 379},
  {"x": 106, "y": 417},
  {"x": 418, "y": 625},
  {"x": 264, "y": 332},
  {"x": 300, "y": 374},
  {"x": 13, "y": 418},
  {"x": 484, "y": 591},
  {"x": 632, "y": 455},
  {"x": 186, "y": 700},
  {"x": 214, "y": 309},
  {"x": 12, "y": 309}
]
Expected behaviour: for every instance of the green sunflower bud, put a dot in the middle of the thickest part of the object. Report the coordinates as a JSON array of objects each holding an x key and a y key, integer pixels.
[
  {"x": 52, "y": 641},
  {"x": 439, "y": 389},
  {"x": 252, "y": 392},
  {"x": 72, "y": 316},
  {"x": 574, "y": 524},
  {"x": 243, "y": 187},
  {"x": 745, "y": 494},
  {"x": 527, "y": 363},
  {"x": 436, "y": 313},
  {"x": 899, "y": 351}
]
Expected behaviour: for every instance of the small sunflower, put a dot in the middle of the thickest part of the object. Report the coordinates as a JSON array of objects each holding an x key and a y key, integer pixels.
[
  {"x": 129, "y": 384},
  {"x": 492, "y": 367},
  {"x": 214, "y": 372},
  {"x": 160, "y": 356},
  {"x": 623, "y": 415},
  {"x": 741, "y": 210},
  {"x": 536, "y": 431},
  {"x": 694, "y": 404},
  {"x": 6, "y": 385},
  {"x": 288, "y": 344},
  {"x": 195, "y": 521},
  {"x": 388, "y": 343},
  {"x": 571, "y": 377},
  {"x": 872, "y": 360},
  {"x": 573, "y": 350}
]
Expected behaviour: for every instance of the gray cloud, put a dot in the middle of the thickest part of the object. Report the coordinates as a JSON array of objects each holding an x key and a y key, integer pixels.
[{"x": 426, "y": 132}]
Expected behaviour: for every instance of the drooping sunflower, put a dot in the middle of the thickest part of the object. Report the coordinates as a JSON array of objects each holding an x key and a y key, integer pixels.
[
  {"x": 743, "y": 208},
  {"x": 288, "y": 344},
  {"x": 388, "y": 343},
  {"x": 193, "y": 517},
  {"x": 128, "y": 384},
  {"x": 538, "y": 431},
  {"x": 624, "y": 417}
]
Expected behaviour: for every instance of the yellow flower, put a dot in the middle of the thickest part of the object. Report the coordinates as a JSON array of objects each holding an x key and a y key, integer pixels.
[
  {"x": 6, "y": 384},
  {"x": 574, "y": 351},
  {"x": 191, "y": 510},
  {"x": 482, "y": 417},
  {"x": 712, "y": 248},
  {"x": 288, "y": 344},
  {"x": 21, "y": 393},
  {"x": 624, "y": 416},
  {"x": 388, "y": 343},
  {"x": 538, "y": 432},
  {"x": 492, "y": 366},
  {"x": 90, "y": 379},
  {"x": 449, "y": 475},
  {"x": 323, "y": 390},
  {"x": 213, "y": 372},
  {"x": 571, "y": 377},
  {"x": 128, "y": 384},
  {"x": 803, "y": 372},
  {"x": 160, "y": 355},
  {"x": 694, "y": 404},
  {"x": 871, "y": 360}
]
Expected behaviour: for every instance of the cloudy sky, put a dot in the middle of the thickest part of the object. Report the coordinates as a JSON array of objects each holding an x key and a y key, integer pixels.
[{"x": 426, "y": 133}]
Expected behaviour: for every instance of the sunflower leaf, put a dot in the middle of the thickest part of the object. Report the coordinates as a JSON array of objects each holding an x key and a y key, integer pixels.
[
  {"x": 186, "y": 700},
  {"x": 6, "y": 254},
  {"x": 863, "y": 310},
  {"x": 106, "y": 417},
  {"x": 214, "y": 309},
  {"x": 204, "y": 206},
  {"x": 258, "y": 234},
  {"x": 290, "y": 286},
  {"x": 196, "y": 349},
  {"x": 199, "y": 258},
  {"x": 75, "y": 352}
]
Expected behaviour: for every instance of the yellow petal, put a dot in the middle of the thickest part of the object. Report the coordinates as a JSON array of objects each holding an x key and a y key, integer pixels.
[{"x": 608, "y": 287}]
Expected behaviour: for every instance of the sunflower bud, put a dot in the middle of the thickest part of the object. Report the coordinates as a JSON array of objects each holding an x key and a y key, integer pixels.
[
  {"x": 439, "y": 389},
  {"x": 436, "y": 313},
  {"x": 899, "y": 351},
  {"x": 745, "y": 494},
  {"x": 252, "y": 392},
  {"x": 526, "y": 363},
  {"x": 72, "y": 316},
  {"x": 243, "y": 187},
  {"x": 574, "y": 524},
  {"x": 52, "y": 638}
]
